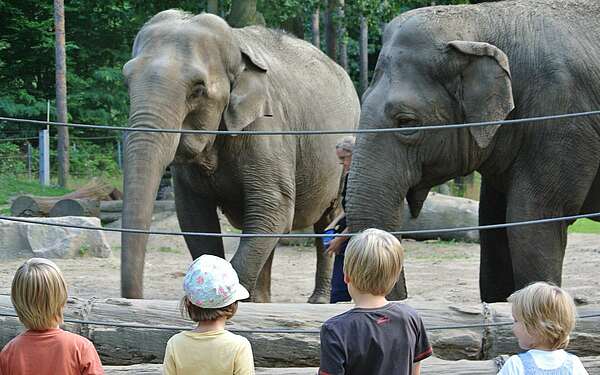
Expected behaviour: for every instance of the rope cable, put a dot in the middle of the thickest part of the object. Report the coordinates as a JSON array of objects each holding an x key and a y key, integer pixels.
[{"x": 307, "y": 132}]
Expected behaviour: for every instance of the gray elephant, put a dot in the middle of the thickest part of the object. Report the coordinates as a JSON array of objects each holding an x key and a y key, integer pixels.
[
  {"x": 196, "y": 72},
  {"x": 458, "y": 64}
]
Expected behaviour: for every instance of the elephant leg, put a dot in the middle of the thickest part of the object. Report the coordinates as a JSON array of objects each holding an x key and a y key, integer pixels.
[
  {"x": 495, "y": 273},
  {"x": 537, "y": 251},
  {"x": 324, "y": 264},
  {"x": 399, "y": 292},
  {"x": 197, "y": 214},
  {"x": 264, "y": 214},
  {"x": 262, "y": 291}
]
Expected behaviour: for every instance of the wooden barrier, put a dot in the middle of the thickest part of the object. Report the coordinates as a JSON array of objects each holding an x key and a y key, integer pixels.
[
  {"x": 430, "y": 366},
  {"x": 126, "y": 346}
]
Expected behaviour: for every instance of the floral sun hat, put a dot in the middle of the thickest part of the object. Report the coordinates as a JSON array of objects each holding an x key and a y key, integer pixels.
[{"x": 211, "y": 283}]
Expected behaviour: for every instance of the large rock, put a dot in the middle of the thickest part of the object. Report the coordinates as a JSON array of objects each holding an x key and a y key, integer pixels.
[
  {"x": 444, "y": 211},
  {"x": 24, "y": 240}
]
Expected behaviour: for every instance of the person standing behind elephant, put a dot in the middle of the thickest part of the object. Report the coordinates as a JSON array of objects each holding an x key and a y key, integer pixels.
[{"x": 337, "y": 246}]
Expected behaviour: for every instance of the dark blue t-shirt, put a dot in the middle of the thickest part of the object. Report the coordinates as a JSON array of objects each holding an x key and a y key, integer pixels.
[{"x": 386, "y": 340}]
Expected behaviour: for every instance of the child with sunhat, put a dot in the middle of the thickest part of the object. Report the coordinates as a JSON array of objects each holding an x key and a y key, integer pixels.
[{"x": 212, "y": 291}]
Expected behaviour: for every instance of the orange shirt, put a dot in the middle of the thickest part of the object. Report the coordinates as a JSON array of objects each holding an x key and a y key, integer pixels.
[{"x": 49, "y": 352}]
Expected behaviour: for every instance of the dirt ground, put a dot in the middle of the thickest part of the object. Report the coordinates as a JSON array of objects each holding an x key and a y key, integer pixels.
[{"x": 435, "y": 270}]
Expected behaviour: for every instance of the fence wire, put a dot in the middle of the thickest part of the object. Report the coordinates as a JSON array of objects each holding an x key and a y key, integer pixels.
[
  {"x": 529, "y": 120},
  {"x": 300, "y": 235}
]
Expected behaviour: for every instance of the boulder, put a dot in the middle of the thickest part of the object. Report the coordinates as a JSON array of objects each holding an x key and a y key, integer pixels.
[
  {"x": 444, "y": 211},
  {"x": 23, "y": 240}
]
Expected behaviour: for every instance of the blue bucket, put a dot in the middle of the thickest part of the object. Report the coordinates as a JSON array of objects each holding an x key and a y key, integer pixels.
[{"x": 327, "y": 239}]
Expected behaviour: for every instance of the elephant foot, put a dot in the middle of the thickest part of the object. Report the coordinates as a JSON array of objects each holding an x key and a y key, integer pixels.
[
  {"x": 260, "y": 297},
  {"x": 319, "y": 298}
]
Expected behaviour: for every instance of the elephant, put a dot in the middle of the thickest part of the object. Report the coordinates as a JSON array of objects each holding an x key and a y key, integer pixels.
[
  {"x": 195, "y": 72},
  {"x": 484, "y": 63}
]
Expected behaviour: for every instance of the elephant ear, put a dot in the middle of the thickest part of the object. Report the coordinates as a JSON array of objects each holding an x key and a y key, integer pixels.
[
  {"x": 485, "y": 88},
  {"x": 249, "y": 98}
]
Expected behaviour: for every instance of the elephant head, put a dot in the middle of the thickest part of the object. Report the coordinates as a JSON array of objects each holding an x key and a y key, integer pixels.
[
  {"x": 186, "y": 72},
  {"x": 424, "y": 76}
]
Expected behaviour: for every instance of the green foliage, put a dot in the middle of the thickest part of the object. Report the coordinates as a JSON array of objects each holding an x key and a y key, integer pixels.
[
  {"x": 90, "y": 160},
  {"x": 99, "y": 36},
  {"x": 84, "y": 249},
  {"x": 585, "y": 226},
  {"x": 11, "y": 162}
]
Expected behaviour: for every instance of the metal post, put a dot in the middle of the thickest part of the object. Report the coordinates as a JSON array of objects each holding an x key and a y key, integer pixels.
[
  {"x": 44, "y": 140},
  {"x": 119, "y": 155},
  {"x": 29, "y": 160}
]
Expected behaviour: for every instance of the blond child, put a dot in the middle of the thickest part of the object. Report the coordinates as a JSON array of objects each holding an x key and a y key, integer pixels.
[
  {"x": 376, "y": 336},
  {"x": 544, "y": 317},
  {"x": 212, "y": 290},
  {"x": 39, "y": 295}
]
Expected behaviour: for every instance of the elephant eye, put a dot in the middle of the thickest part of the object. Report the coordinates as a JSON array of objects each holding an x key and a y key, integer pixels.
[
  {"x": 403, "y": 120},
  {"x": 198, "y": 89}
]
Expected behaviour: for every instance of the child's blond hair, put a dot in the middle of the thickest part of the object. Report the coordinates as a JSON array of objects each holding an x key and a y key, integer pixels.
[
  {"x": 39, "y": 294},
  {"x": 373, "y": 261},
  {"x": 546, "y": 311}
]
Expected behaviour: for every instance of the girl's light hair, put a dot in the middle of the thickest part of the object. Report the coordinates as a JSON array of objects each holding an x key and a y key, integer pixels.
[
  {"x": 39, "y": 294},
  {"x": 373, "y": 261},
  {"x": 546, "y": 311}
]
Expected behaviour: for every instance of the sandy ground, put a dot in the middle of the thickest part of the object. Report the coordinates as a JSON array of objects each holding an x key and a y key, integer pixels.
[{"x": 434, "y": 270}]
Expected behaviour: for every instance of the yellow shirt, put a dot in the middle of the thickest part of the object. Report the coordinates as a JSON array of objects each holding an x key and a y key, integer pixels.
[{"x": 208, "y": 353}]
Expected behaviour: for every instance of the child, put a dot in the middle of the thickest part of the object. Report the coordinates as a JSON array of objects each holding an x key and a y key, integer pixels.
[
  {"x": 376, "y": 336},
  {"x": 212, "y": 290},
  {"x": 544, "y": 317},
  {"x": 39, "y": 295}
]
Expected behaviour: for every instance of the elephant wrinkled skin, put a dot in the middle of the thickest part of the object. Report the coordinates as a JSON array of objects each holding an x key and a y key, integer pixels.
[
  {"x": 196, "y": 72},
  {"x": 472, "y": 63}
]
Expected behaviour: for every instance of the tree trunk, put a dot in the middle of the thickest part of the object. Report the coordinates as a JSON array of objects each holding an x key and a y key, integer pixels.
[
  {"x": 315, "y": 29},
  {"x": 343, "y": 60},
  {"x": 364, "y": 54},
  {"x": 62, "y": 151},
  {"x": 331, "y": 29},
  {"x": 243, "y": 13},
  {"x": 295, "y": 25},
  {"x": 29, "y": 206},
  {"x": 41, "y": 206},
  {"x": 212, "y": 6}
]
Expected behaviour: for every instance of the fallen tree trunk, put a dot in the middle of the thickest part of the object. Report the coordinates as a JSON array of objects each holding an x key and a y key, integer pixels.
[
  {"x": 430, "y": 366},
  {"x": 127, "y": 345},
  {"x": 31, "y": 206},
  {"x": 76, "y": 207}
]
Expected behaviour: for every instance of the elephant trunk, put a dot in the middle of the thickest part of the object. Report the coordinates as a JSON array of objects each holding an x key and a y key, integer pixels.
[
  {"x": 376, "y": 190},
  {"x": 146, "y": 157}
]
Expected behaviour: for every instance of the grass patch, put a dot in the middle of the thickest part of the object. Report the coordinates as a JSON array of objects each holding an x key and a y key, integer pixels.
[
  {"x": 585, "y": 226},
  {"x": 166, "y": 249},
  {"x": 12, "y": 186}
]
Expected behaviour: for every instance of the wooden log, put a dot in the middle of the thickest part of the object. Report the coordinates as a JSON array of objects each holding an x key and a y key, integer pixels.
[
  {"x": 126, "y": 345},
  {"x": 30, "y": 206},
  {"x": 40, "y": 206},
  {"x": 430, "y": 366},
  {"x": 76, "y": 207}
]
